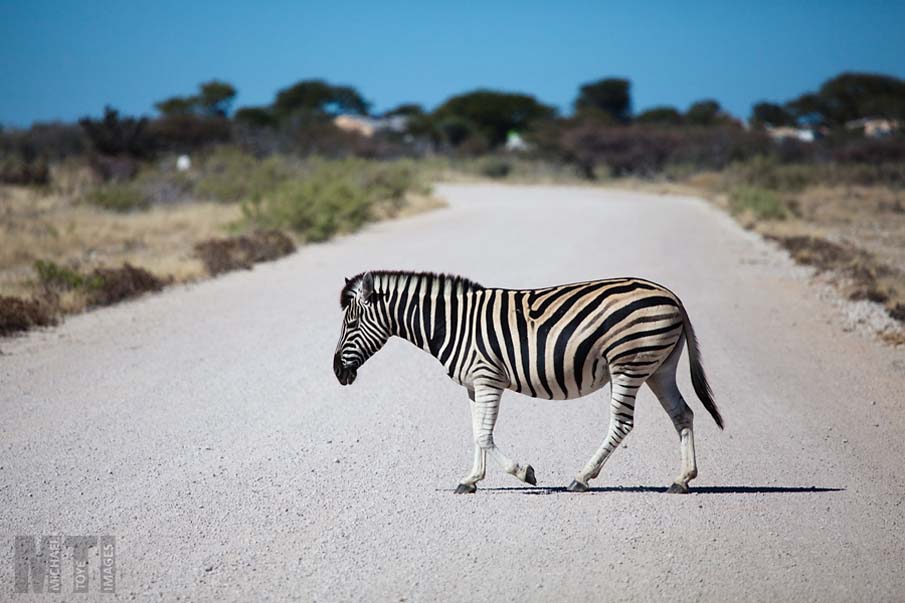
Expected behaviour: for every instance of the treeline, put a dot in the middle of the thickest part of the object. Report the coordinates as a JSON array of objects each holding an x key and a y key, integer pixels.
[{"x": 602, "y": 133}]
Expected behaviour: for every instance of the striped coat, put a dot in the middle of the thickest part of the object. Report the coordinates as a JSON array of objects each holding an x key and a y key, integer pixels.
[{"x": 555, "y": 343}]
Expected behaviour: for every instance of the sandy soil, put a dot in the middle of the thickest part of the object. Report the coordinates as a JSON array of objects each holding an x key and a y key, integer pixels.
[{"x": 203, "y": 427}]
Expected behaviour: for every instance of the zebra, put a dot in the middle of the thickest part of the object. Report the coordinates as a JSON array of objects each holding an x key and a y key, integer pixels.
[{"x": 556, "y": 343}]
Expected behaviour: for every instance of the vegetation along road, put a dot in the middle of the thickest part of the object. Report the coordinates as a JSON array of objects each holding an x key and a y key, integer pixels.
[{"x": 203, "y": 427}]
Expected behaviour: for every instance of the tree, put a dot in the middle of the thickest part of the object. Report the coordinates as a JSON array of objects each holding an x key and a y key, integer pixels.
[
  {"x": 660, "y": 115},
  {"x": 407, "y": 109},
  {"x": 610, "y": 97},
  {"x": 704, "y": 113},
  {"x": 850, "y": 96},
  {"x": 770, "y": 114},
  {"x": 259, "y": 117},
  {"x": 319, "y": 96},
  {"x": 807, "y": 109},
  {"x": 216, "y": 97},
  {"x": 176, "y": 105},
  {"x": 213, "y": 100},
  {"x": 456, "y": 130},
  {"x": 494, "y": 114}
]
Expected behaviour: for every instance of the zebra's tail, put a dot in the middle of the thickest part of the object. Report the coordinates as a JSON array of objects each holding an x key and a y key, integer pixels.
[{"x": 698, "y": 378}]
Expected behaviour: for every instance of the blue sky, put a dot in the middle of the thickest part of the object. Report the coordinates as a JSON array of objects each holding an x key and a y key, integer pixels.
[{"x": 65, "y": 59}]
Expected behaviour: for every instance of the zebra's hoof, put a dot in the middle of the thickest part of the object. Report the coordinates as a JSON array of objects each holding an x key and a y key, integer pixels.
[
  {"x": 577, "y": 486},
  {"x": 678, "y": 488},
  {"x": 466, "y": 489},
  {"x": 529, "y": 476}
]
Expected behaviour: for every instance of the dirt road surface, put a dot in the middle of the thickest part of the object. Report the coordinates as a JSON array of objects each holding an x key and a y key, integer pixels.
[{"x": 204, "y": 429}]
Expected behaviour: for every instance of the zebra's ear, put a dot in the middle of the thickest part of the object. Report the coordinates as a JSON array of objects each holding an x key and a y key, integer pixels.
[{"x": 367, "y": 287}]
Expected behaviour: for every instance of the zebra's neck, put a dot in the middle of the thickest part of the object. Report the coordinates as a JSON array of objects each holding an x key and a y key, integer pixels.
[{"x": 420, "y": 306}]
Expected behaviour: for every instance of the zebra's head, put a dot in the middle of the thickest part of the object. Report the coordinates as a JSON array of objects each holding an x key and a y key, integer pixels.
[{"x": 363, "y": 331}]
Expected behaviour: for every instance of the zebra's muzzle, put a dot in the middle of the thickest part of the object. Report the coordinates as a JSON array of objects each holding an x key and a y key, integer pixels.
[{"x": 345, "y": 374}]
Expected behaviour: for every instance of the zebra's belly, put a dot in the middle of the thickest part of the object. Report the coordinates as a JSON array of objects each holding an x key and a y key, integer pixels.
[{"x": 551, "y": 389}]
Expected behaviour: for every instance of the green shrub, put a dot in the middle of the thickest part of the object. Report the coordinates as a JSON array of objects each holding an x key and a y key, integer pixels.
[
  {"x": 230, "y": 175},
  {"x": 317, "y": 206},
  {"x": 118, "y": 196},
  {"x": 54, "y": 277},
  {"x": 389, "y": 181},
  {"x": 762, "y": 203},
  {"x": 331, "y": 197}
]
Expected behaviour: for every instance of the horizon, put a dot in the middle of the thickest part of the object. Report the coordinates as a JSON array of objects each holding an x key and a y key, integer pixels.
[{"x": 67, "y": 61}]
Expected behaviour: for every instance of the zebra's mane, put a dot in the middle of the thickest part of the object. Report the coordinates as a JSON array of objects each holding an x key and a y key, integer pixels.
[{"x": 354, "y": 283}]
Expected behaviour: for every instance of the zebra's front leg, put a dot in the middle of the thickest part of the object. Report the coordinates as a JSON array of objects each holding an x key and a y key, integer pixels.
[
  {"x": 622, "y": 419},
  {"x": 485, "y": 409},
  {"x": 479, "y": 467}
]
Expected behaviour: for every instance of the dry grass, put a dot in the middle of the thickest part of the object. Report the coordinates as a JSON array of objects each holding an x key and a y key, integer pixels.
[
  {"x": 36, "y": 225},
  {"x": 853, "y": 233},
  {"x": 91, "y": 256},
  {"x": 872, "y": 218}
]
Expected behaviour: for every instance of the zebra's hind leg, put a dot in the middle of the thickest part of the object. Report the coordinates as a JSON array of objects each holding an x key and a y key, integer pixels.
[
  {"x": 485, "y": 409},
  {"x": 663, "y": 384},
  {"x": 622, "y": 419}
]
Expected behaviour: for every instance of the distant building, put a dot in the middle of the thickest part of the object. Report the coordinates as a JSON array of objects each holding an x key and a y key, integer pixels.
[
  {"x": 781, "y": 133},
  {"x": 874, "y": 127},
  {"x": 368, "y": 126}
]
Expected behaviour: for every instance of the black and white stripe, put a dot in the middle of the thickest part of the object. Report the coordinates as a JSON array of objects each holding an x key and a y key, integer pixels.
[{"x": 555, "y": 343}]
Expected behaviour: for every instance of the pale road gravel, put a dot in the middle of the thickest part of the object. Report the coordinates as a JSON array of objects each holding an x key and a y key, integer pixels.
[{"x": 204, "y": 428}]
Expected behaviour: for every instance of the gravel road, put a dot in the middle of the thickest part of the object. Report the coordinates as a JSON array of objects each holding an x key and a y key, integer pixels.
[{"x": 204, "y": 429}]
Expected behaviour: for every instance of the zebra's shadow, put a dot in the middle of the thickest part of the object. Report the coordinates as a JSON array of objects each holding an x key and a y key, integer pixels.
[{"x": 536, "y": 490}]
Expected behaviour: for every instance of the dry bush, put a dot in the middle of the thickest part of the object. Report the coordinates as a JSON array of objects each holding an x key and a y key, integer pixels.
[
  {"x": 100, "y": 287},
  {"x": 241, "y": 252},
  {"x": 872, "y": 151},
  {"x": 189, "y": 132},
  {"x": 23, "y": 314},
  {"x": 816, "y": 251},
  {"x": 16, "y": 170},
  {"x": 643, "y": 150},
  {"x": 898, "y": 312},
  {"x": 62, "y": 290},
  {"x": 113, "y": 285}
]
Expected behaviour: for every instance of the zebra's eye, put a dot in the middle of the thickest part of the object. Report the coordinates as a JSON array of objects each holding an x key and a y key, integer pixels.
[{"x": 353, "y": 324}]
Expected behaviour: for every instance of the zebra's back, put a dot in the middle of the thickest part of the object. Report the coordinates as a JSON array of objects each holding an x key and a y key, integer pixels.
[{"x": 562, "y": 342}]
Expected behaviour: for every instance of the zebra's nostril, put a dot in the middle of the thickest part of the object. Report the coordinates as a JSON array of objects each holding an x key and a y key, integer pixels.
[{"x": 345, "y": 373}]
